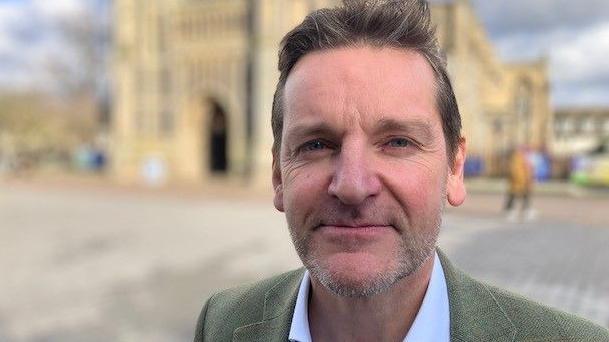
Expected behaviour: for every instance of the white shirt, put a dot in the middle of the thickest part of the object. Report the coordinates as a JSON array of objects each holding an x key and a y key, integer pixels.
[{"x": 431, "y": 324}]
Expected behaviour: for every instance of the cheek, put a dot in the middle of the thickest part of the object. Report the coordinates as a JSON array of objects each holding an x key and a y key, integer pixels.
[
  {"x": 419, "y": 190},
  {"x": 304, "y": 187}
]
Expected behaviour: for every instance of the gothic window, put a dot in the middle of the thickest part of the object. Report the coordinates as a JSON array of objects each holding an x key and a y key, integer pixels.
[
  {"x": 588, "y": 125},
  {"x": 558, "y": 125},
  {"x": 165, "y": 81},
  {"x": 568, "y": 126},
  {"x": 139, "y": 121},
  {"x": 192, "y": 76},
  {"x": 167, "y": 121}
]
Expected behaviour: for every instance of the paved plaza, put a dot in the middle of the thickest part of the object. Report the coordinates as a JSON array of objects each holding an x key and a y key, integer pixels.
[{"x": 104, "y": 264}]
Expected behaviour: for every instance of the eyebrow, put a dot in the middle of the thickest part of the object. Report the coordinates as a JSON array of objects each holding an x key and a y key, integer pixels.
[
  {"x": 421, "y": 128},
  {"x": 300, "y": 131}
]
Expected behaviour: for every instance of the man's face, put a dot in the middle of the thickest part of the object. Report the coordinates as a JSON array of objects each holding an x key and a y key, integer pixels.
[{"x": 363, "y": 172}]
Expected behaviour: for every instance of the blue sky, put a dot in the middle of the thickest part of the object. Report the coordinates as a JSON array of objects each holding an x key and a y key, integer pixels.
[{"x": 574, "y": 35}]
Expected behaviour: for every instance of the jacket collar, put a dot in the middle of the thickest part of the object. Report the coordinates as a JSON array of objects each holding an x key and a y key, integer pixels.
[
  {"x": 279, "y": 304},
  {"x": 475, "y": 313}
]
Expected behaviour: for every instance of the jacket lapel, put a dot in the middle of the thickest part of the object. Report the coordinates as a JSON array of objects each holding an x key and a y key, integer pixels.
[
  {"x": 475, "y": 314},
  {"x": 278, "y": 309}
]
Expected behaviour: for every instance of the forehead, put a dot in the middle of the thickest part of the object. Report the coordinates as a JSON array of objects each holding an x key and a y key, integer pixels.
[{"x": 365, "y": 84}]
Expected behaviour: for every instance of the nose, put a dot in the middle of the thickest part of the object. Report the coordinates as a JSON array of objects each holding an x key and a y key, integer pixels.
[{"x": 354, "y": 179}]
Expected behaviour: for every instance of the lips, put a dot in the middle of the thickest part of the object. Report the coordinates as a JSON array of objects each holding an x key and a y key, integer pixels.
[
  {"x": 353, "y": 229},
  {"x": 353, "y": 238},
  {"x": 353, "y": 225}
]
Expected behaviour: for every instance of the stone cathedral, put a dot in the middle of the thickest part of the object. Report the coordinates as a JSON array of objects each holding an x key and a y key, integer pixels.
[{"x": 194, "y": 82}]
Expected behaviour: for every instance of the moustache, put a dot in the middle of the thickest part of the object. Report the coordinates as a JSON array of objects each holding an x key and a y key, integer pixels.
[{"x": 361, "y": 216}]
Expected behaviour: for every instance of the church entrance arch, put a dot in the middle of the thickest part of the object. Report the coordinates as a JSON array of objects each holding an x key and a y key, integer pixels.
[{"x": 218, "y": 128}]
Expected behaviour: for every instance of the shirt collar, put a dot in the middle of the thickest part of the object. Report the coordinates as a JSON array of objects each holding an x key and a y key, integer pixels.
[
  {"x": 299, "y": 331},
  {"x": 432, "y": 322},
  {"x": 433, "y": 319}
]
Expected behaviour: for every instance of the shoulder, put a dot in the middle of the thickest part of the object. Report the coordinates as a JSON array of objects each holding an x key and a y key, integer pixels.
[
  {"x": 534, "y": 321},
  {"x": 482, "y": 312},
  {"x": 230, "y": 309}
]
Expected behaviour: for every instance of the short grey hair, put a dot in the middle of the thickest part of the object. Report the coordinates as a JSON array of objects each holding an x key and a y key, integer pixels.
[{"x": 402, "y": 24}]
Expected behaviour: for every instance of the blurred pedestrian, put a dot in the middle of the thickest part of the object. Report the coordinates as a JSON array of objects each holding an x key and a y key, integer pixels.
[{"x": 521, "y": 178}]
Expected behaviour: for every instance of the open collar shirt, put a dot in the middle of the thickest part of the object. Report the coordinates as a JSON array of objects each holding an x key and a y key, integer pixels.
[{"x": 432, "y": 322}]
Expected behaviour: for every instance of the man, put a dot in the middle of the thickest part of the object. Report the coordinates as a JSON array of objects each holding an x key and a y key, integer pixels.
[{"x": 367, "y": 151}]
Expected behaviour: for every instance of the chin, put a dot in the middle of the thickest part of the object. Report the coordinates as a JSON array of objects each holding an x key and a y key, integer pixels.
[{"x": 355, "y": 274}]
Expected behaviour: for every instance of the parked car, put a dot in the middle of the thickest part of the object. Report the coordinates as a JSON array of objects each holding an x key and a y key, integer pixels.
[{"x": 591, "y": 170}]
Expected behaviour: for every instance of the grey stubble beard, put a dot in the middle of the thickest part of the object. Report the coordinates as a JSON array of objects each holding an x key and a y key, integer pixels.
[{"x": 412, "y": 252}]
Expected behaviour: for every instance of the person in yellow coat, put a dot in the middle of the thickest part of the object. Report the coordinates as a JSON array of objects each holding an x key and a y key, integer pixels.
[{"x": 520, "y": 185}]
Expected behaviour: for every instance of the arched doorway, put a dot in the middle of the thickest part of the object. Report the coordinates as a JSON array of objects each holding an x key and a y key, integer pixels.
[{"x": 218, "y": 139}]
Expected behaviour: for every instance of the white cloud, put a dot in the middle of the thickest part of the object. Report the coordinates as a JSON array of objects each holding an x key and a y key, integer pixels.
[
  {"x": 526, "y": 16},
  {"x": 524, "y": 46},
  {"x": 580, "y": 96},
  {"x": 583, "y": 58},
  {"x": 25, "y": 68},
  {"x": 574, "y": 35},
  {"x": 58, "y": 9},
  {"x": 12, "y": 15},
  {"x": 29, "y": 40},
  {"x": 10, "y": 12},
  {"x": 579, "y": 68}
]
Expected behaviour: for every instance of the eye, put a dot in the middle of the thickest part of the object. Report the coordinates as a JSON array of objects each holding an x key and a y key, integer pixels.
[
  {"x": 313, "y": 145},
  {"x": 399, "y": 142}
]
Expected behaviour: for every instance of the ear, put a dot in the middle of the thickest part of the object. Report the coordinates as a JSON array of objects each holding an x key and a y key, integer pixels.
[
  {"x": 277, "y": 185},
  {"x": 455, "y": 187}
]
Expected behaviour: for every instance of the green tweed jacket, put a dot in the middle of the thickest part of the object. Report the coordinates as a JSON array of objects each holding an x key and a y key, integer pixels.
[{"x": 478, "y": 312}]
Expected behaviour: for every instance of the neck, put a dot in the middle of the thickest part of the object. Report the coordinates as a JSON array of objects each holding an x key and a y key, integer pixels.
[{"x": 383, "y": 317}]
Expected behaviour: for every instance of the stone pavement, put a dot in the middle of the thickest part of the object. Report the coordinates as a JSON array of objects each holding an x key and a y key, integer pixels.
[
  {"x": 95, "y": 264},
  {"x": 563, "y": 265}
]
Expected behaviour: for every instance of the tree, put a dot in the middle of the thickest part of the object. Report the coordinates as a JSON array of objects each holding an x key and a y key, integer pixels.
[{"x": 80, "y": 74}]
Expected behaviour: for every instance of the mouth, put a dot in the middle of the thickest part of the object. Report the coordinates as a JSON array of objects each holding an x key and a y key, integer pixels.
[
  {"x": 359, "y": 230},
  {"x": 354, "y": 238},
  {"x": 354, "y": 225}
]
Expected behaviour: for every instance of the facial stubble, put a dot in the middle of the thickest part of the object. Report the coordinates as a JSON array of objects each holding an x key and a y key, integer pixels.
[{"x": 415, "y": 246}]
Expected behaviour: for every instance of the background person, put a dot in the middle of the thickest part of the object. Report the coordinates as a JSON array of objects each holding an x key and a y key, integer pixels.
[{"x": 520, "y": 179}]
